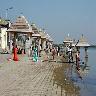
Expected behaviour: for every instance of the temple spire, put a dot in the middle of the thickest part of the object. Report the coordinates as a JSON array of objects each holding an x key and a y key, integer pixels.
[{"x": 68, "y": 35}]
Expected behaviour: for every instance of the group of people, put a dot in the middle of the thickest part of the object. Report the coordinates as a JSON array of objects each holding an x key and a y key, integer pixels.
[
  {"x": 55, "y": 51},
  {"x": 69, "y": 52},
  {"x": 35, "y": 53}
]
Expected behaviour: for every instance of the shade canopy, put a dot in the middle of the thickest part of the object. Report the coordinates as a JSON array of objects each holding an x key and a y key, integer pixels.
[
  {"x": 42, "y": 33},
  {"x": 82, "y": 42},
  {"x": 68, "y": 39},
  {"x": 35, "y": 30},
  {"x": 20, "y": 26}
]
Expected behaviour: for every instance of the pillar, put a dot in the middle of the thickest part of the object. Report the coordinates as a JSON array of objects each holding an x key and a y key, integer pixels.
[
  {"x": 29, "y": 49},
  {"x": 86, "y": 61},
  {"x": 39, "y": 41},
  {"x": 11, "y": 46},
  {"x": 14, "y": 42},
  {"x": 44, "y": 44},
  {"x": 86, "y": 53},
  {"x": 5, "y": 40},
  {"x": 9, "y": 41}
]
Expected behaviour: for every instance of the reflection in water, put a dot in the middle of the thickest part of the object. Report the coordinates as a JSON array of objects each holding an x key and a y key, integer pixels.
[
  {"x": 61, "y": 78},
  {"x": 86, "y": 61},
  {"x": 84, "y": 68}
]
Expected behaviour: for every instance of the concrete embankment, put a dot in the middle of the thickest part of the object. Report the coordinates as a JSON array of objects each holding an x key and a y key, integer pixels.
[{"x": 27, "y": 78}]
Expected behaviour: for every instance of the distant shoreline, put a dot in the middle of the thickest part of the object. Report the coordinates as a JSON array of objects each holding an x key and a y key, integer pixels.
[
  {"x": 92, "y": 46},
  {"x": 63, "y": 44}
]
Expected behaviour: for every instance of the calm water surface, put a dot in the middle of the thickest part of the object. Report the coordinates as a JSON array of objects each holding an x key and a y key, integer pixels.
[
  {"x": 88, "y": 83},
  {"x": 77, "y": 83}
]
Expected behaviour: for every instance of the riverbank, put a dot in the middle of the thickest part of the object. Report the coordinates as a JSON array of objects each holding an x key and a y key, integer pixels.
[{"x": 27, "y": 78}]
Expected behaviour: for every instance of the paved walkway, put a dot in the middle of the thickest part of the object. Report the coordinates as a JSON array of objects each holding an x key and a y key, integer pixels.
[{"x": 26, "y": 78}]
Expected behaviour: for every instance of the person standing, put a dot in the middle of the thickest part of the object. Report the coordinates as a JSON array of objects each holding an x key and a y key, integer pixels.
[
  {"x": 53, "y": 52},
  {"x": 77, "y": 60},
  {"x": 31, "y": 50},
  {"x": 35, "y": 54},
  {"x": 58, "y": 50},
  {"x": 15, "y": 50}
]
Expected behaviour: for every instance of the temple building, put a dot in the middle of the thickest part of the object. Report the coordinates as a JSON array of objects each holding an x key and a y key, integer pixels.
[
  {"x": 43, "y": 39},
  {"x": 23, "y": 35},
  {"x": 20, "y": 30},
  {"x": 49, "y": 41},
  {"x": 83, "y": 42},
  {"x": 36, "y": 37},
  {"x": 40, "y": 38},
  {"x": 3, "y": 35},
  {"x": 68, "y": 41}
]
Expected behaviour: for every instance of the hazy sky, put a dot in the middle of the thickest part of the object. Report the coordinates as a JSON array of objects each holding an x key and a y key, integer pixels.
[{"x": 57, "y": 17}]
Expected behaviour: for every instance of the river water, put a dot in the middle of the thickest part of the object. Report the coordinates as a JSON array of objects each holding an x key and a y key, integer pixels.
[
  {"x": 74, "y": 82},
  {"x": 88, "y": 83}
]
